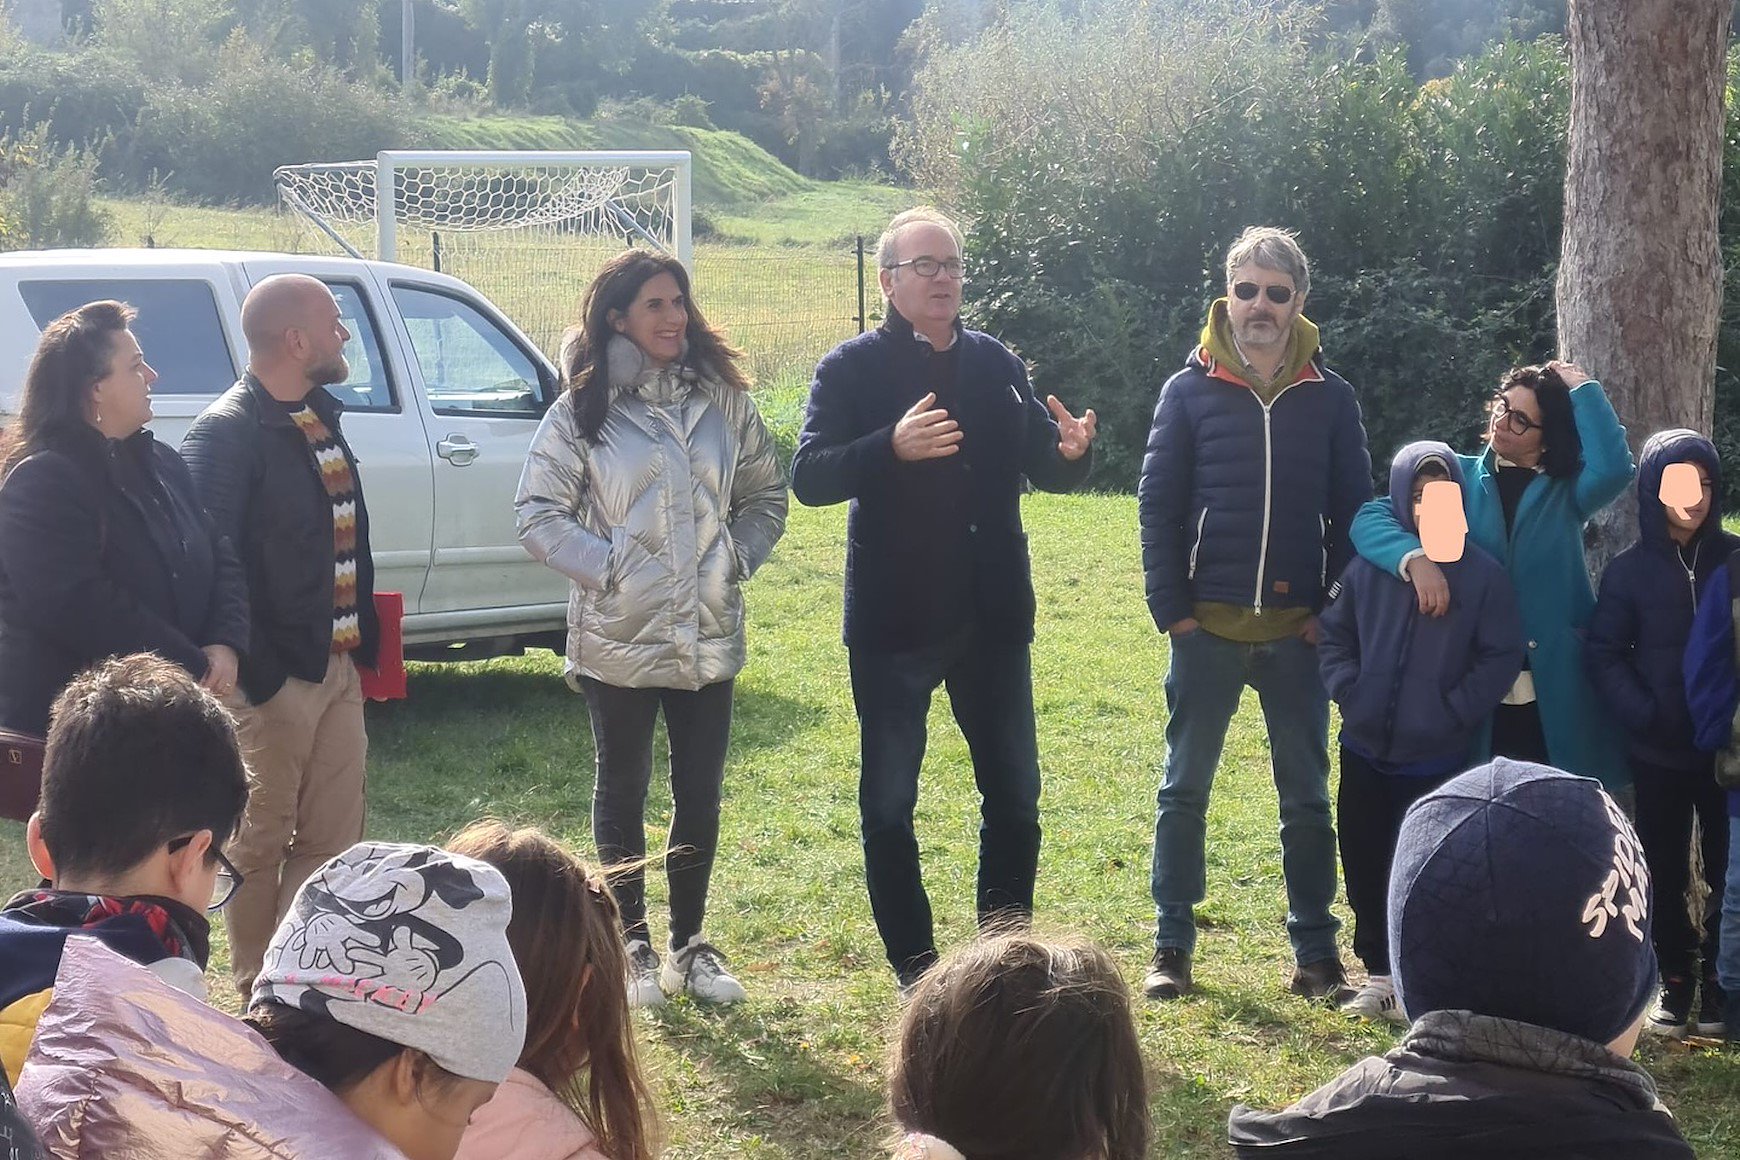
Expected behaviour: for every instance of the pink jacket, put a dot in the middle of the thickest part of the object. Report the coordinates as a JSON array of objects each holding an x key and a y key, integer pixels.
[
  {"x": 124, "y": 1065},
  {"x": 525, "y": 1121}
]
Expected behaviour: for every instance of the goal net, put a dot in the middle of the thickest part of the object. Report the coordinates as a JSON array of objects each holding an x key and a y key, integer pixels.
[{"x": 529, "y": 229}]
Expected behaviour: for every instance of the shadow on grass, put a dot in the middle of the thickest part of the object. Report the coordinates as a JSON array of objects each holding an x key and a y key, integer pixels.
[
  {"x": 515, "y": 741},
  {"x": 757, "y": 1060}
]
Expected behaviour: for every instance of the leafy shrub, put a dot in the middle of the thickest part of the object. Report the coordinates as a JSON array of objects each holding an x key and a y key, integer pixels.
[{"x": 48, "y": 194}]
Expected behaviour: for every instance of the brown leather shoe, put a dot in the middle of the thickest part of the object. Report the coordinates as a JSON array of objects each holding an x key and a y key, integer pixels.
[{"x": 1324, "y": 979}]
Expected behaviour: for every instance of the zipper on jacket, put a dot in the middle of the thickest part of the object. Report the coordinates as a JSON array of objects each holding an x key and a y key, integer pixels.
[
  {"x": 1396, "y": 689},
  {"x": 1268, "y": 486},
  {"x": 1197, "y": 547},
  {"x": 1691, "y": 571},
  {"x": 1322, "y": 550}
]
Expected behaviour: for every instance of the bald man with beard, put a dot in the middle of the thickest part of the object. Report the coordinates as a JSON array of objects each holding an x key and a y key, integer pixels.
[{"x": 273, "y": 469}]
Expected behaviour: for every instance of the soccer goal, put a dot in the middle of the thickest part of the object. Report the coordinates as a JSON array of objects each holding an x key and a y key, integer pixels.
[{"x": 528, "y": 228}]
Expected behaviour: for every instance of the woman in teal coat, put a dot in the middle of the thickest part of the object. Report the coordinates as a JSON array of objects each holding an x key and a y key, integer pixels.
[{"x": 1555, "y": 456}]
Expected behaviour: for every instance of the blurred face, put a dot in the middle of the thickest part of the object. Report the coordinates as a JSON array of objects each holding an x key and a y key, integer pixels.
[
  {"x": 1439, "y": 518},
  {"x": 1686, "y": 492},
  {"x": 1259, "y": 321},
  {"x": 656, "y": 320},
  {"x": 121, "y": 399},
  {"x": 1516, "y": 426},
  {"x": 931, "y": 301},
  {"x": 323, "y": 336}
]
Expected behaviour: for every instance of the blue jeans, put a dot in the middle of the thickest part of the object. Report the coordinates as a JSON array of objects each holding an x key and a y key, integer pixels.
[
  {"x": 1728, "y": 957},
  {"x": 1203, "y": 685},
  {"x": 990, "y": 689}
]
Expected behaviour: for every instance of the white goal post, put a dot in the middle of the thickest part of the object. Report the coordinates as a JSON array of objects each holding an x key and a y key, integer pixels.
[{"x": 527, "y": 227}]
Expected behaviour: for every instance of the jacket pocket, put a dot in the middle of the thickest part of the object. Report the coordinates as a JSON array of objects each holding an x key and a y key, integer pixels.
[
  {"x": 613, "y": 567},
  {"x": 1196, "y": 545}
]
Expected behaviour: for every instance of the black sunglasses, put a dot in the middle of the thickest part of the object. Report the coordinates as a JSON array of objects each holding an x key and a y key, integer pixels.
[
  {"x": 1279, "y": 295},
  {"x": 229, "y": 879}
]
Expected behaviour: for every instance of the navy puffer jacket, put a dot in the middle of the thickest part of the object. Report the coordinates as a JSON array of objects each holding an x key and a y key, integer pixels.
[
  {"x": 1643, "y": 613},
  {"x": 1247, "y": 504}
]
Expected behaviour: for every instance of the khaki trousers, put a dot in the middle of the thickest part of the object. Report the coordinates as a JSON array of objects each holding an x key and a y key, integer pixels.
[{"x": 306, "y": 751}]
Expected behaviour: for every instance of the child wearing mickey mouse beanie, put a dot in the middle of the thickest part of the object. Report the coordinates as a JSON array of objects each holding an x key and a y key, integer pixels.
[
  {"x": 1519, "y": 926},
  {"x": 391, "y": 981}
]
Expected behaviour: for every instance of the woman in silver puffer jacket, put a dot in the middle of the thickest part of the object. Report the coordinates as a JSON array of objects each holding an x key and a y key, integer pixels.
[{"x": 653, "y": 485}]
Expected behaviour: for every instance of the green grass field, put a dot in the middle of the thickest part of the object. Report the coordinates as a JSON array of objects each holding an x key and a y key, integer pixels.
[{"x": 796, "y": 1073}]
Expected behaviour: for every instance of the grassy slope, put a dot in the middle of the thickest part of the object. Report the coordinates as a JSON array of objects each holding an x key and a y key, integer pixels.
[{"x": 795, "y": 1073}]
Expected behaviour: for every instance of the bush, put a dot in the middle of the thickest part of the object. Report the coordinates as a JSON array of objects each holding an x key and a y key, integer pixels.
[
  {"x": 1104, "y": 166},
  {"x": 48, "y": 195}
]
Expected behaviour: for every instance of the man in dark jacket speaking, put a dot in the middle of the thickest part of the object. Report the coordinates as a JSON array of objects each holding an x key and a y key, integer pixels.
[
  {"x": 1255, "y": 467},
  {"x": 927, "y": 429}
]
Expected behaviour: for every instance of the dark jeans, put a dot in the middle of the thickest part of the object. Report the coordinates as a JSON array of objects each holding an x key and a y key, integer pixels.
[
  {"x": 990, "y": 687},
  {"x": 1666, "y": 801},
  {"x": 1206, "y": 677},
  {"x": 1369, "y": 809},
  {"x": 1517, "y": 734},
  {"x": 699, "y": 727}
]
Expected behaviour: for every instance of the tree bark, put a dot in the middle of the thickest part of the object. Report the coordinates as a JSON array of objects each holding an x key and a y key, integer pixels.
[{"x": 1640, "y": 273}]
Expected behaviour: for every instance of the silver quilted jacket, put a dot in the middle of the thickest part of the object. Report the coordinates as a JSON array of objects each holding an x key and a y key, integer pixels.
[
  {"x": 126, "y": 1067},
  {"x": 657, "y": 524}
]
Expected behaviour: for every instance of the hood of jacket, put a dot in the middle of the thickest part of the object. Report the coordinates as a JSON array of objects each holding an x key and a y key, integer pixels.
[
  {"x": 1407, "y": 464},
  {"x": 122, "y": 1062},
  {"x": 1678, "y": 445}
]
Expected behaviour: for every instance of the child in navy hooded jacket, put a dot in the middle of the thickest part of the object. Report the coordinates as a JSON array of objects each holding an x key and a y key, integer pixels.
[
  {"x": 1637, "y": 642},
  {"x": 1416, "y": 694}
]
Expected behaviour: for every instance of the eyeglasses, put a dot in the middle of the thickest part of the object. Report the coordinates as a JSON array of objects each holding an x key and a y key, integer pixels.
[
  {"x": 229, "y": 879},
  {"x": 928, "y": 267},
  {"x": 1515, "y": 422},
  {"x": 1279, "y": 295}
]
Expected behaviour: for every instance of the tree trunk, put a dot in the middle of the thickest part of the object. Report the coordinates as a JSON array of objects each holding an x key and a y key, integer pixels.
[{"x": 1640, "y": 274}]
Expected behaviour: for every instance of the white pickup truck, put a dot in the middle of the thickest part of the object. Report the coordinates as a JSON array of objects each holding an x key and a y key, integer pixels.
[{"x": 443, "y": 397}]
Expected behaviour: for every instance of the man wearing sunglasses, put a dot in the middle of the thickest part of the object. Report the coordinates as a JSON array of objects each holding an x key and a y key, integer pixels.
[
  {"x": 1256, "y": 465},
  {"x": 928, "y": 428},
  {"x": 142, "y": 784}
]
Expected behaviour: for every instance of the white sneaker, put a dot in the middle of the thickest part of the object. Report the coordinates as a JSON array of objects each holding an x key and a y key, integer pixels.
[
  {"x": 643, "y": 976},
  {"x": 1376, "y": 1000},
  {"x": 699, "y": 969}
]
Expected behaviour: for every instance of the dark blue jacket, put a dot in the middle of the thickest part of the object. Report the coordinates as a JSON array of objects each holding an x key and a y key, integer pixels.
[
  {"x": 1247, "y": 504},
  {"x": 1643, "y": 615},
  {"x": 845, "y": 452},
  {"x": 1417, "y": 690}
]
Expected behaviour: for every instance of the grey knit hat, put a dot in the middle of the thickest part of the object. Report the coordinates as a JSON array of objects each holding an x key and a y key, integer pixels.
[
  {"x": 409, "y": 944},
  {"x": 1520, "y": 891}
]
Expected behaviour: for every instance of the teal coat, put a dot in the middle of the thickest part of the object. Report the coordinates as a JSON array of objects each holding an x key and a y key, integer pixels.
[{"x": 1544, "y": 557}]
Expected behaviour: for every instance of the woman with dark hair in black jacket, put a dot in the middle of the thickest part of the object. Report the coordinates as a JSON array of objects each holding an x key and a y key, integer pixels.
[{"x": 104, "y": 548}]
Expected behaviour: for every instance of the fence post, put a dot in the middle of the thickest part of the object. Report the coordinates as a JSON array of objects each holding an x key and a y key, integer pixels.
[
  {"x": 862, "y": 322},
  {"x": 435, "y": 249}
]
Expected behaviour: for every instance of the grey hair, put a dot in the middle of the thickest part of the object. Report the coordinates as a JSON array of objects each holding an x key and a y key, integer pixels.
[
  {"x": 1272, "y": 249},
  {"x": 885, "y": 245}
]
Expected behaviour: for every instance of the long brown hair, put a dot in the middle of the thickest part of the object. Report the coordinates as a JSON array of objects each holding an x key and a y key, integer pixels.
[
  {"x": 73, "y": 353},
  {"x": 566, "y": 934},
  {"x": 1023, "y": 1049},
  {"x": 614, "y": 290}
]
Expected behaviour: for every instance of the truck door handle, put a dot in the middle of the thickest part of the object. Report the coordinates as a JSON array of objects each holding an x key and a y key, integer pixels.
[{"x": 457, "y": 450}]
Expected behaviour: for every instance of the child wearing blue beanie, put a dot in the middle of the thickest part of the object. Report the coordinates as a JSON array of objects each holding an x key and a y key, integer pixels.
[{"x": 1519, "y": 926}]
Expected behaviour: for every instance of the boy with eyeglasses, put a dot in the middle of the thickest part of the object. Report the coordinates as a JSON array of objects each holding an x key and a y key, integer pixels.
[{"x": 142, "y": 785}]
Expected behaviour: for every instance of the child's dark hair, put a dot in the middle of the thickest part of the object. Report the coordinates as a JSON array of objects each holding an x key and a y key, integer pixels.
[
  {"x": 138, "y": 755},
  {"x": 1431, "y": 469},
  {"x": 1016, "y": 1048},
  {"x": 566, "y": 935},
  {"x": 334, "y": 1054},
  {"x": 1561, "y": 445}
]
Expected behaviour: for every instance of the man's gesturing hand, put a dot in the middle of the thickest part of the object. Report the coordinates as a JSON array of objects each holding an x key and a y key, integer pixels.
[
  {"x": 1073, "y": 435},
  {"x": 924, "y": 433}
]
